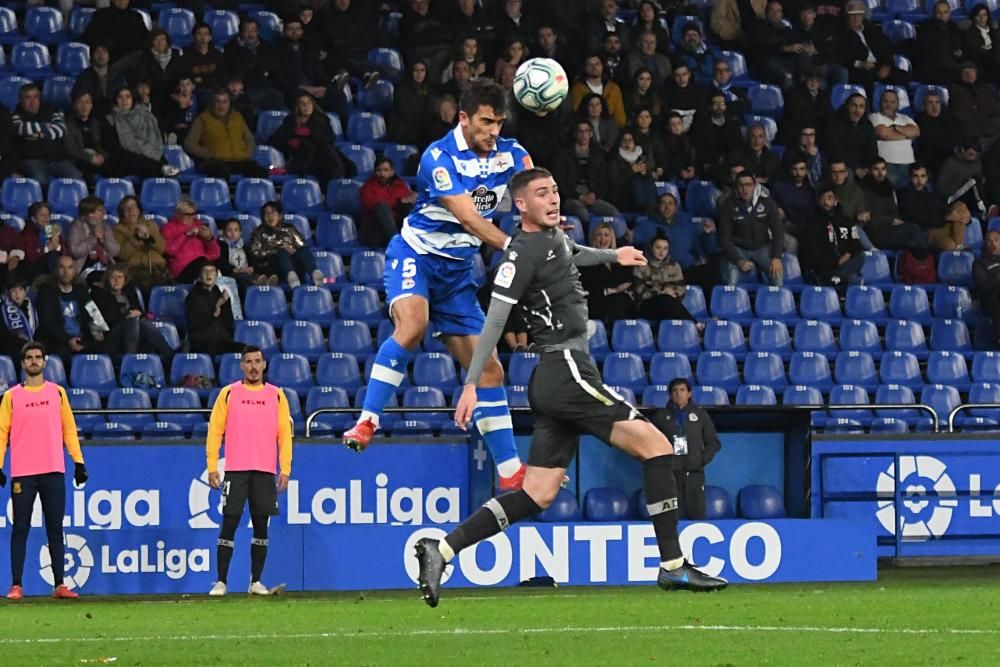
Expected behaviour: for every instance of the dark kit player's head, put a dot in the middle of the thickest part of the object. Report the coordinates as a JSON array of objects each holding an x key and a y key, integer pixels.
[
  {"x": 481, "y": 113},
  {"x": 252, "y": 364},
  {"x": 536, "y": 196},
  {"x": 33, "y": 359}
]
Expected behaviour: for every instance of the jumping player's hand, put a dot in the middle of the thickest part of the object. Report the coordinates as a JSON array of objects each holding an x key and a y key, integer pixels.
[
  {"x": 3, "y": 479},
  {"x": 466, "y": 404},
  {"x": 80, "y": 474},
  {"x": 214, "y": 480},
  {"x": 282, "y": 483},
  {"x": 629, "y": 256}
]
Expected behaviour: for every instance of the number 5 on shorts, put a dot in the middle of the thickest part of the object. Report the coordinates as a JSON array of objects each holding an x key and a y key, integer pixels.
[{"x": 409, "y": 271}]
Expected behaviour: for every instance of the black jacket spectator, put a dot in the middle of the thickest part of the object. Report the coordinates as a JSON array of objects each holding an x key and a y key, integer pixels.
[
  {"x": 806, "y": 105},
  {"x": 974, "y": 39},
  {"x": 122, "y": 30},
  {"x": 100, "y": 80},
  {"x": 755, "y": 155},
  {"x": 853, "y": 51},
  {"x": 986, "y": 274},
  {"x": 412, "y": 108},
  {"x": 307, "y": 143},
  {"x": 542, "y": 136},
  {"x": 852, "y": 139},
  {"x": 210, "y": 306},
  {"x": 938, "y": 137},
  {"x": 750, "y": 227},
  {"x": 423, "y": 36},
  {"x": 824, "y": 240},
  {"x": 716, "y": 134},
  {"x": 160, "y": 66},
  {"x": 975, "y": 104},
  {"x": 52, "y": 303},
  {"x": 205, "y": 64},
  {"x": 8, "y": 157},
  {"x": 252, "y": 60},
  {"x": 923, "y": 207},
  {"x": 934, "y": 52}
]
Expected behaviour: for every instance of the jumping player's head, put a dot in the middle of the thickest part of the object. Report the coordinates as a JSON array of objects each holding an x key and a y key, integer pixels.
[
  {"x": 33, "y": 359},
  {"x": 536, "y": 196},
  {"x": 253, "y": 365},
  {"x": 481, "y": 113}
]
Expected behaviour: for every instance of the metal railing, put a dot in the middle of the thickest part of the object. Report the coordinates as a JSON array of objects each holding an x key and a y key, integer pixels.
[
  {"x": 889, "y": 406},
  {"x": 963, "y": 407}
]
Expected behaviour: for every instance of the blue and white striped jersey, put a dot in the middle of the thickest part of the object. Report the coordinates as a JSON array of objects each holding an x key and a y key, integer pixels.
[{"x": 449, "y": 167}]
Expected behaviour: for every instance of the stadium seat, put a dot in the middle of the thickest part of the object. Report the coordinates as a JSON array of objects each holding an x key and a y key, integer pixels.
[
  {"x": 385, "y": 329},
  {"x": 332, "y": 267},
  {"x": 336, "y": 231},
  {"x": 718, "y": 504},
  {"x": 855, "y": 368},
  {"x": 655, "y": 395},
  {"x": 271, "y": 159},
  {"x": 15, "y": 222},
  {"x": 983, "y": 392},
  {"x": 351, "y": 337},
  {"x": 792, "y": 271},
  {"x": 368, "y": 268},
  {"x": 865, "y": 303},
  {"x": 17, "y": 194},
  {"x": 31, "y": 60},
  {"x": 425, "y": 397},
  {"x": 150, "y": 366},
  {"x": 267, "y": 304},
  {"x": 770, "y": 336},
  {"x": 343, "y": 196},
  {"x": 93, "y": 371},
  {"x": 57, "y": 92},
  {"x": 113, "y": 431},
  {"x": 8, "y": 376},
  {"x": 731, "y": 303},
  {"x": 664, "y": 367},
  {"x": 902, "y": 94},
  {"x": 815, "y": 336},
  {"x": 377, "y": 99},
  {"x": 950, "y": 335},
  {"x": 520, "y": 367},
  {"x": 301, "y": 225},
  {"x": 940, "y": 398},
  {"x": 708, "y": 395},
  {"x": 775, "y": 303},
  {"x": 948, "y": 368},
  {"x": 700, "y": 199},
  {"x": 563, "y": 509},
  {"x": 810, "y": 368},
  {"x": 179, "y": 24},
  {"x": 841, "y": 91},
  {"x": 401, "y": 156},
  {"x": 910, "y": 303},
  {"x": 755, "y": 394},
  {"x": 224, "y": 24},
  {"x": 54, "y": 371},
  {"x": 820, "y": 303},
  {"x": 986, "y": 367},
  {"x": 72, "y": 58},
  {"x": 605, "y": 503},
  {"x": 624, "y": 369},
  {"x": 764, "y": 368},
  {"x": 388, "y": 61},
  {"x": 907, "y": 336},
  {"x": 760, "y": 501},
  {"x": 802, "y": 395},
  {"x": 766, "y": 100},
  {"x": 365, "y": 127},
  {"x": 111, "y": 191},
  {"x": 167, "y": 303},
  {"x": 290, "y": 371},
  {"x": 267, "y": 123},
  {"x": 737, "y": 64},
  {"x": 598, "y": 340},
  {"x": 253, "y": 193},
  {"x": 176, "y": 157},
  {"x": 679, "y": 336},
  {"x": 191, "y": 364},
  {"x": 900, "y": 368},
  {"x": 162, "y": 430},
  {"x": 85, "y": 399},
  {"x": 725, "y": 336},
  {"x": 955, "y": 268},
  {"x": 889, "y": 394},
  {"x": 921, "y": 93},
  {"x": 229, "y": 369},
  {"x": 259, "y": 333},
  {"x": 633, "y": 336},
  {"x": 517, "y": 396},
  {"x": 9, "y": 33},
  {"x": 10, "y": 85},
  {"x": 435, "y": 369},
  {"x": 160, "y": 195},
  {"x": 768, "y": 124},
  {"x": 302, "y": 196},
  {"x": 65, "y": 194},
  {"x": 169, "y": 332},
  {"x": 717, "y": 369},
  {"x": 338, "y": 370},
  {"x": 335, "y": 127},
  {"x": 860, "y": 336},
  {"x": 359, "y": 302},
  {"x": 319, "y": 398},
  {"x": 129, "y": 398},
  {"x": 850, "y": 394},
  {"x": 875, "y": 270},
  {"x": 899, "y": 31}
]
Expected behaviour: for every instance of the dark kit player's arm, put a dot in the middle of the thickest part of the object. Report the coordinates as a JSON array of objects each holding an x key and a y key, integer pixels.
[{"x": 464, "y": 210}]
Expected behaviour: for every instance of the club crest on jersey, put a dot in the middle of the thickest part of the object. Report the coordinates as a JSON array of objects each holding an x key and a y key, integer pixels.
[
  {"x": 505, "y": 275},
  {"x": 484, "y": 199},
  {"x": 442, "y": 179}
]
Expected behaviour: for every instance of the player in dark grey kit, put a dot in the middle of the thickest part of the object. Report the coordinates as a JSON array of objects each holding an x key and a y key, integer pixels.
[{"x": 539, "y": 276}]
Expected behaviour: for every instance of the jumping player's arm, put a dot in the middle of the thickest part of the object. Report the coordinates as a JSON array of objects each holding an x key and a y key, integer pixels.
[
  {"x": 465, "y": 212},
  {"x": 284, "y": 438},
  {"x": 216, "y": 428},
  {"x": 70, "y": 436}
]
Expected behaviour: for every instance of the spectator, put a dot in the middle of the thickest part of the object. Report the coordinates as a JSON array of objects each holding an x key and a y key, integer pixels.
[
  {"x": 593, "y": 82},
  {"x": 986, "y": 274},
  {"x": 543, "y": 135},
  {"x": 795, "y": 195},
  {"x": 305, "y": 137},
  {"x": 737, "y": 103},
  {"x": 39, "y": 132},
  {"x": 689, "y": 427},
  {"x": 348, "y": 33},
  {"x": 202, "y": 62},
  {"x": 254, "y": 62},
  {"x": 385, "y": 200},
  {"x": 38, "y": 246},
  {"x": 515, "y": 52},
  {"x": 298, "y": 70},
  {"x": 695, "y": 53},
  {"x": 648, "y": 55},
  {"x": 681, "y": 158},
  {"x": 138, "y": 145},
  {"x": 233, "y": 260},
  {"x": 548, "y": 46},
  {"x": 850, "y": 196},
  {"x": 512, "y": 24},
  {"x": 716, "y": 134},
  {"x": 240, "y": 101},
  {"x": 816, "y": 160},
  {"x": 731, "y": 20},
  {"x": 647, "y": 18},
  {"x": 852, "y": 136},
  {"x": 750, "y": 232},
  {"x": 978, "y": 41},
  {"x": 929, "y": 209},
  {"x": 607, "y": 21},
  {"x": 681, "y": 95},
  {"x": 829, "y": 247},
  {"x": 20, "y": 319},
  {"x": 757, "y": 156},
  {"x": 630, "y": 173},
  {"x": 780, "y": 55},
  {"x": 642, "y": 94},
  {"x": 806, "y": 105},
  {"x": 581, "y": 172},
  {"x": 461, "y": 77},
  {"x": 121, "y": 306},
  {"x": 616, "y": 65},
  {"x": 141, "y": 246},
  {"x": 179, "y": 111},
  {"x": 210, "y": 306},
  {"x": 467, "y": 49},
  {"x": 423, "y": 36},
  {"x": 92, "y": 243},
  {"x": 119, "y": 28},
  {"x": 159, "y": 65},
  {"x": 659, "y": 285},
  {"x": 887, "y": 229},
  {"x": 221, "y": 143},
  {"x": 975, "y": 104},
  {"x": 412, "y": 108},
  {"x": 938, "y": 48},
  {"x": 64, "y": 325},
  {"x": 472, "y": 19},
  {"x": 189, "y": 243},
  {"x": 276, "y": 247},
  {"x": 608, "y": 286},
  {"x": 820, "y": 39},
  {"x": 939, "y": 132},
  {"x": 594, "y": 109},
  {"x": 100, "y": 80},
  {"x": 865, "y": 51},
  {"x": 84, "y": 139},
  {"x": 895, "y": 133},
  {"x": 651, "y": 142},
  {"x": 961, "y": 177},
  {"x": 445, "y": 117}
]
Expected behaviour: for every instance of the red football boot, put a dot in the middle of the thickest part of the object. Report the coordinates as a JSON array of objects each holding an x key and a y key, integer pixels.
[
  {"x": 515, "y": 481},
  {"x": 359, "y": 437},
  {"x": 15, "y": 593},
  {"x": 63, "y": 593}
]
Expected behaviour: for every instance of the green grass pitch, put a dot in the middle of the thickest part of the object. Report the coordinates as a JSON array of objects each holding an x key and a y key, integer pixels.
[{"x": 926, "y": 616}]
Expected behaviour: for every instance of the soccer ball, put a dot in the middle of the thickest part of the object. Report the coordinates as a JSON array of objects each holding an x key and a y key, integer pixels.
[{"x": 540, "y": 84}]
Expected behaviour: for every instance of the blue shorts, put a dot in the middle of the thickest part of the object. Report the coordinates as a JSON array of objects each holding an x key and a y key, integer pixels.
[{"x": 448, "y": 285}]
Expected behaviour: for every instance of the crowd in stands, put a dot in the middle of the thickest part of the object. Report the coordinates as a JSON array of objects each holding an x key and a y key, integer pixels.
[{"x": 740, "y": 143}]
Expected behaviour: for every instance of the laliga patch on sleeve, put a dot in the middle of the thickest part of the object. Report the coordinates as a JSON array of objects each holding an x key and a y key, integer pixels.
[
  {"x": 526, "y": 161},
  {"x": 505, "y": 275},
  {"x": 442, "y": 179}
]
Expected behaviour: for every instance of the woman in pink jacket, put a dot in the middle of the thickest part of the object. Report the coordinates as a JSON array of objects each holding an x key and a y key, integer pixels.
[{"x": 190, "y": 244}]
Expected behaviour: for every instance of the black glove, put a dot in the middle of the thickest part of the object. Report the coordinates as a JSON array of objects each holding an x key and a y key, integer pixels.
[
  {"x": 80, "y": 474},
  {"x": 3, "y": 479}
]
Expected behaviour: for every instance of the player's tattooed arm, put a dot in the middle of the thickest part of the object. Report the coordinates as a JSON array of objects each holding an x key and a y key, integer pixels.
[{"x": 465, "y": 212}]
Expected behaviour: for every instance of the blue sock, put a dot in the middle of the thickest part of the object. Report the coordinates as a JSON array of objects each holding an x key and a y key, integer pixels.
[
  {"x": 388, "y": 373},
  {"x": 492, "y": 417}
]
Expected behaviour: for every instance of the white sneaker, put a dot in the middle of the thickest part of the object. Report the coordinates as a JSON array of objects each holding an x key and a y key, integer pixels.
[
  {"x": 317, "y": 277},
  {"x": 257, "y": 588},
  {"x": 170, "y": 170},
  {"x": 293, "y": 280},
  {"x": 218, "y": 590}
]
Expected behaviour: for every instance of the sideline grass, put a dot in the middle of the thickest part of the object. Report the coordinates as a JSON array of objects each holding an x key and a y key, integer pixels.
[{"x": 926, "y": 616}]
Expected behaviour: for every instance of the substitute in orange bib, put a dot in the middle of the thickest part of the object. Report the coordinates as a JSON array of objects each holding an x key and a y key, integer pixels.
[
  {"x": 36, "y": 418},
  {"x": 257, "y": 424}
]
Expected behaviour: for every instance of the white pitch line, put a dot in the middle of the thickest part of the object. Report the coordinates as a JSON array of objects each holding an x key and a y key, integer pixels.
[{"x": 460, "y": 632}]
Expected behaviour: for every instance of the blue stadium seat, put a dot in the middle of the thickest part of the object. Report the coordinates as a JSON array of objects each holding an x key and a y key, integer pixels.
[
  {"x": 388, "y": 61},
  {"x": 79, "y": 18},
  {"x": 940, "y": 398},
  {"x": 986, "y": 367},
  {"x": 290, "y": 371},
  {"x": 769, "y": 126},
  {"x": 339, "y": 370},
  {"x": 224, "y": 23},
  {"x": 65, "y": 194},
  {"x": 717, "y": 369},
  {"x": 162, "y": 430},
  {"x": 950, "y": 335},
  {"x": 841, "y": 91},
  {"x": 517, "y": 396},
  {"x": 855, "y": 368},
  {"x": 267, "y": 304},
  {"x": 974, "y": 236},
  {"x": 865, "y": 303},
  {"x": 633, "y": 336},
  {"x": 377, "y": 98},
  {"x": 888, "y": 394},
  {"x": 332, "y": 268},
  {"x": 301, "y": 225},
  {"x": 85, "y": 399},
  {"x": 875, "y": 270},
  {"x": 622, "y": 393},
  {"x": 253, "y": 193},
  {"x": 655, "y": 395},
  {"x": 191, "y": 363},
  {"x": 93, "y": 371},
  {"x": 910, "y": 303},
  {"x": 359, "y": 302},
  {"x": 365, "y": 127},
  {"x": 435, "y": 369},
  {"x": 169, "y": 332},
  {"x": 270, "y": 25},
  {"x": 267, "y": 123},
  {"x": 328, "y": 397},
  {"x": 425, "y": 397},
  {"x": 625, "y": 369},
  {"x": 368, "y": 268},
  {"x": 900, "y": 368},
  {"x": 148, "y": 364},
  {"x": 167, "y": 303},
  {"x": 812, "y": 369},
  {"x": 921, "y": 93},
  {"x": 899, "y": 31},
  {"x": 17, "y": 194},
  {"x": 229, "y": 370},
  {"x": 700, "y": 199},
  {"x": 351, "y": 337},
  {"x": 57, "y": 92},
  {"x": 694, "y": 301},
  {"x": 336, "y": 231},
  {"x": 770, "y": 336},
  {"x": 113, "y": 431},
  {"x": 302, "y": 196},
  {"x": 160, "y": 195},
  {"x": 8, "y": 27},
  {"x": 983, "y": 392},
  {"x": 718, "y": 504},
  {"x": 764, "y": 368},
  {"x": 800, "y": 394},
  {"x": 54, "y": 370},
  {"x": 271, "y": 159},
  {"x": 948, "y": 368},
  {"x": 111, "y": 191},
  {"x": 755, "y": 394},
  {"x": 8, "y": 376},
  {"x": 679, "y": 336},
  {"x": 737, "y": 64},
  {"x": 363, "y": 158},
  {"x": 401, "y": 155},
  {"x": 605, "y": 503},
  {"x": 385, "y": 329},
  {"x": 664, "y": 367},
  {"x": 793, "y": 271},
  {"x": 820, "y": 303},
  {"x": 731, "y": 303},
  {"x": 725, "y": 336},
  {"x": 31, "y": 60},
  {"x": 955, "y": 268},
  {"x": 766, "y": 100},
  {"x": 179, "y": 24},
  {"x": 520, "y": 366},
  {"x": 708, "y": 395},
  {"x": 16, "y": 222},
  {"x": 598, "y": 340},
  {"x": 775, "y": 303},
  {"x": 212, "y": 196},
  {"x": 815, "y": 336},
  {"x": 176, "y": 157},
  {"x": 760, "y": 501},
  {"x": 861, "y": 336},
  {"x": 906, "y": 336},
  {"x": 850, "y": 394},
  {"x": 10, "y": 85},
  {"x": 902, "y": 94},
  {"x": 129, "y": 398},
  {"x": 343, "y": 196}
]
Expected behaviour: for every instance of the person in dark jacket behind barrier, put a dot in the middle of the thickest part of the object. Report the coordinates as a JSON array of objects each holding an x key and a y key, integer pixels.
[
  {"x": 986, "y": 274},
  {"x": 831, "y": 253},
  {"x": 751, "y": 232},
  {"x": 695, "y": 442}
]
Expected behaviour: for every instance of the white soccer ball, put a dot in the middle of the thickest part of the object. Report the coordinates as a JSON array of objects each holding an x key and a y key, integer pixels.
[{"x": 540, "y": 84}]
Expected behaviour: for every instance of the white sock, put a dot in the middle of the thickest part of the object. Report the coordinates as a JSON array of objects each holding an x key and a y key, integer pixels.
[
  {"x": 509, "y": 467},
  {"x": 672, "y": 564},
  {"x": 446, "y": 550},
  {"x": 365, "y": 414}
]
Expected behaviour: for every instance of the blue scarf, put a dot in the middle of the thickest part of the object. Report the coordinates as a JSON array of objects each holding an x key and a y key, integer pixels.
[{"x": 16, "y": 321}]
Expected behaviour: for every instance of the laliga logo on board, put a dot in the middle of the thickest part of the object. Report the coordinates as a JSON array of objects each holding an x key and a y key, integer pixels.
[
  {"x": 917, "y": 474},
  {"x": 203, "y": 513},
  {"x": 78, "y": 562}
]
